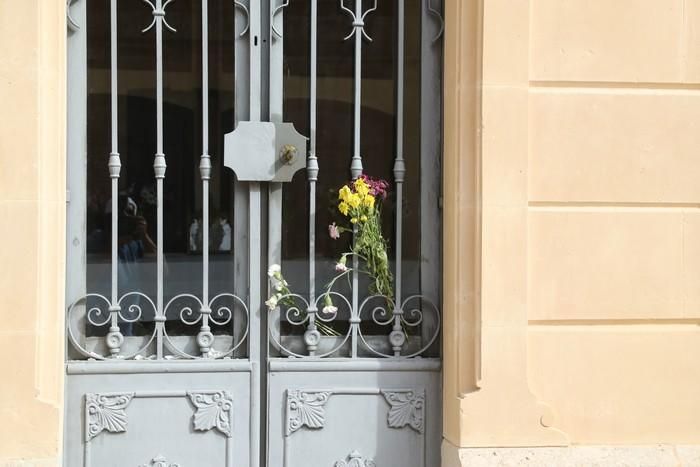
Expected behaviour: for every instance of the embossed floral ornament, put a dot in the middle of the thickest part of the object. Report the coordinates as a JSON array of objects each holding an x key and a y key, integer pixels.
[
  {"x": 106, "y": 412},
  {"x": 355, "y": 459},
  {"x": 306, "y": 409},
  {"x": 159, "y": 461},
  {"x": 406, "y": 409},
  {"x": 214, "y": 410}
]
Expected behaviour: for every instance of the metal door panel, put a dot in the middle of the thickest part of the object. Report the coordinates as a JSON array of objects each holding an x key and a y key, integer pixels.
[
  {"x": 212, "y": 399},
  {"x": 115, "y": 418},
  {"x": 389, "y": 416}
]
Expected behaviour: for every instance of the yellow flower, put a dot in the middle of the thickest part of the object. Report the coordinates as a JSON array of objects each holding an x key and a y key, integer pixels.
[
  {"x": 363, "y": 218},
  {"x": 344, "y": 193},
  {"x": 361, "y": 187},
  {"x": 354, "y": 200},
  {"x": 368, "y": 201},
  {"x": 353, "y": 220},
  {"x": 344, "y": 208}
]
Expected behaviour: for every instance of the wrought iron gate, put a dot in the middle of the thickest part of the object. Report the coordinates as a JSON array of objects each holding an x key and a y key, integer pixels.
[{"x": 175, "y": 357}]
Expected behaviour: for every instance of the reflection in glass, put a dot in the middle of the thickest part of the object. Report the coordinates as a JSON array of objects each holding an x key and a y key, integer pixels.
[
  {"x": 182, "y": 146},
  {"x": 335, "y": 130}
]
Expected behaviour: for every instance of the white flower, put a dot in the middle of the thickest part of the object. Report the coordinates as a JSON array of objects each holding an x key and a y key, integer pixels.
[
  {"x": 279, "y": 286},
  {"x": 340, "y": 267},
  {"x": 274, "y": 270},
  {"x": 329, "y": 309},
  {"x": 272, "y": 302}
]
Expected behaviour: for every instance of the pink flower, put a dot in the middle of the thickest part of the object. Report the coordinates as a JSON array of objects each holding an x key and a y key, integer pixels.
[
  {"x": 333, "y": 231},
  {"x": 340, "y": 267},
  {"x": 377, "y": 186}
]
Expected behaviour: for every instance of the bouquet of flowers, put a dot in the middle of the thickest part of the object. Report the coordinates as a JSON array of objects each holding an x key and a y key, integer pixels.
[{"x": 360, "y": 203}]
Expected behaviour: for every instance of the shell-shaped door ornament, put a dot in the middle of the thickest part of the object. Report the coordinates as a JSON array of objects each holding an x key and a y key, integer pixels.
[
  {"x": 306, "y": 409},
  {"x": 159, "y": 461},
  {"x": 355, "y": 459},
  {"x": 406, "y": 409},
  {"x": 106, "y": 412},
  {"x": 214, "y": 410}
]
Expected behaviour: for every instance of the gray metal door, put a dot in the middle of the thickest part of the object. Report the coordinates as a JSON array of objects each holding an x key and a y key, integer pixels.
[{"x": 207, "y": 141}]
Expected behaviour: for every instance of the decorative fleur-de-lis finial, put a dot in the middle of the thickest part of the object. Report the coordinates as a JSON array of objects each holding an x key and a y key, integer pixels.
[
  {"x": 158, "y": 11},
  {"x": 358, "y": 23},
  {"x": 439, "y": 17},
  {"x": 284, "y": 4}
]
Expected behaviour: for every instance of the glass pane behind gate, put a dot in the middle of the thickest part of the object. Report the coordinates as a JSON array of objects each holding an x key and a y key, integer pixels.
[
  {"x": 335, "y": 107},
  {"x": 182, "y": 80}
]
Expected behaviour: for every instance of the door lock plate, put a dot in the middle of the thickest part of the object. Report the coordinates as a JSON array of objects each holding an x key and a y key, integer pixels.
[{"x": 265, "y": 151}]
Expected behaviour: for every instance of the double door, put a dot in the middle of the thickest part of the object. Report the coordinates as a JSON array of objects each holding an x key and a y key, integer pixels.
[{"x": 209, "y": 319}]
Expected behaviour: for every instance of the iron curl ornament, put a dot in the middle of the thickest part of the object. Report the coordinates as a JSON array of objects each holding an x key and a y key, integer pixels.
[
  {"x": 358, "y": 20},
  {"x": 133, "y": 308},
  {"x": 158, "y": 12},
  {"x": 411, "y": 314},
  {"x": 438, "y": 17},
  {"x": 221, "y": 310},
  {"x": 97, "y": 310},
  {"x": 70, "y": 21},
  {"x": 241, "y": 5},
  {"x": 297, "y": 311}
]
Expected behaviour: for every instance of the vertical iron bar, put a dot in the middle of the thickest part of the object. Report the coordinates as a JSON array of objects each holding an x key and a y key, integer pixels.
[
  {"x": 76, "y": 153},
  {"x": 255, "y": 62},
  {"x": 254, "y": 241},
  {"x": 241, "y": 110},
  {"x": 115, "y": 337},
  {"x": 205, "y": 338},
  {"x": 356, "y": 166},
  {"x": 313, "y": 335},
  {"x": 275, "y": 96},
  {"x": 397, "y": 336},
  {"x": 159, "y": 167},
  {"x": 430, "y": 157}
]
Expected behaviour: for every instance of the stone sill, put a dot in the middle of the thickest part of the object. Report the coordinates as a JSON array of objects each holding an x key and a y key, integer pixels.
[{"x": 661, "y": 455}]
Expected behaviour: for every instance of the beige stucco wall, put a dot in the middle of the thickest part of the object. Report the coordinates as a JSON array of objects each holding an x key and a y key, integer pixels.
[
  {"x": 583, "y": 161},
  {"x": 32, "y": 206}
]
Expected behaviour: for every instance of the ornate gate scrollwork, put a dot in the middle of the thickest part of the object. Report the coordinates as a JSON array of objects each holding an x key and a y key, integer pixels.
[
  {"x": 355, "y": 459},
  {"x": 187, "y": 333},
  {"x": 159, "y": 461}
]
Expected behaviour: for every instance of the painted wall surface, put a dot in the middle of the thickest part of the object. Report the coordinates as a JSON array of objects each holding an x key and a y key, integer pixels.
[
  {"x": 613, "y": 238},
  {"x": 583, "y": 158},
  {"x": 32, "y": 206}
]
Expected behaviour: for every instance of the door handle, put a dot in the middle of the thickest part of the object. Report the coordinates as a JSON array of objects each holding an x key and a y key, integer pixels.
[{"x": 288, "y": 154}]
